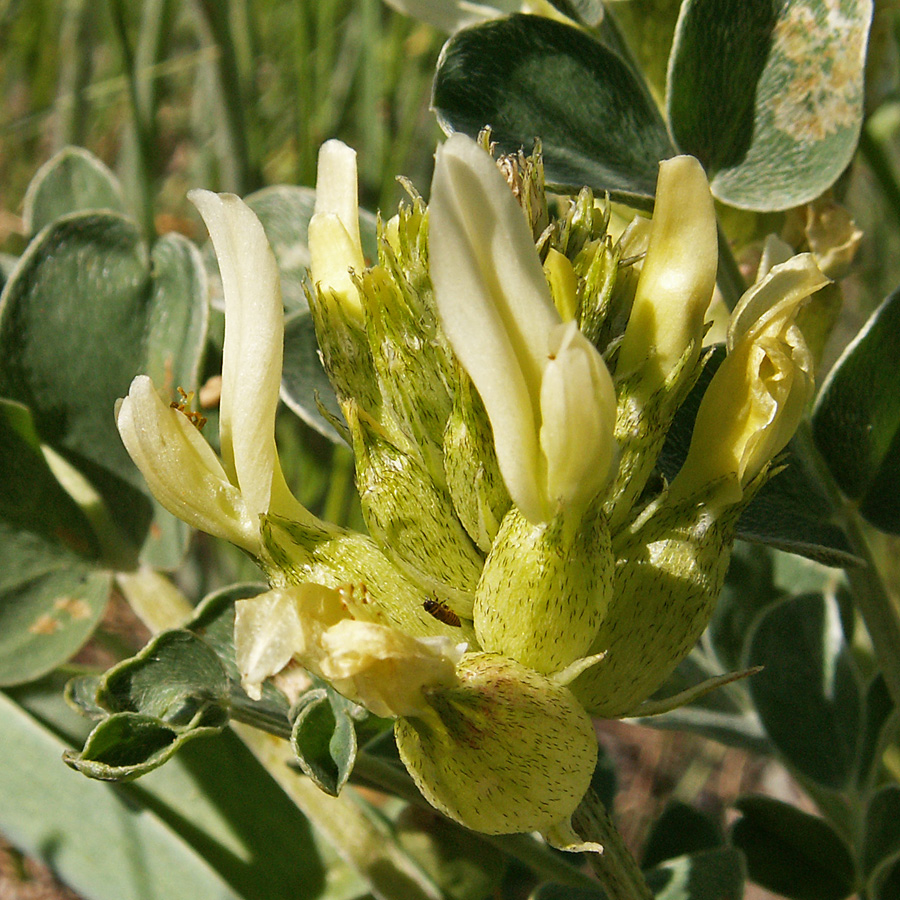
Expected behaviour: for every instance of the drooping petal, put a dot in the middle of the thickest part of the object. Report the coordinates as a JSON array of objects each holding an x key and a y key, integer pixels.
[
  {"x": 334, "y": 243},
  {"x": 278, "y": 625},
  {"x": 181, "y": 469},
  {"x": 384, "y": 669},
  {"x": 755, "y": 400},
  {"x": 578, "y": 411},
  {"x": 678, "y": 275},
  {"x": 254, "y": 339},
  {"x": 494, "y": 304}
]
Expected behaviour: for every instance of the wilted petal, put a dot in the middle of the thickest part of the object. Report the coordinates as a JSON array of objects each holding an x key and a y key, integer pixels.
[
  {"x": 254, "y": 339},
  {"x": 273, "y": 628},
  {"x": 181, "y": 469},
  {"x": 385, "y": 670},
  {"x": 755, "y": 400}
]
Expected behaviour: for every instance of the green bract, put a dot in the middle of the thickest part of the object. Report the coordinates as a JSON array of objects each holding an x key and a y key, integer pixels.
[{"x": 526, "y": 563}]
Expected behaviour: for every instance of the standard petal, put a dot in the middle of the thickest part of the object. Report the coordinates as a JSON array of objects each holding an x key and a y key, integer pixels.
[
  {"x": 678, "y": 275},
  {"x": 578, "y": 408},
  {"x": 181, "y": 469},
  {"x": 494, "y": 304},
  {"x": 254, "y": 339}
]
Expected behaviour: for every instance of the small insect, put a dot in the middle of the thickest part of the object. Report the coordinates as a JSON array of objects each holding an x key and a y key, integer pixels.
[
  {"x": 184, "y": 406},
  {"x": 441, "y": 612}
]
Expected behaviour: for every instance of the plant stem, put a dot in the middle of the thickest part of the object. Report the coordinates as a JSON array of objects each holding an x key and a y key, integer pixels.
[
  {"x": 615, "y": 867},
  {"x": 215, "y": 18},
  {"x": 728, "y": 278},
  {"x": 538, "y": 857},
  {"x": 880, "y": 166},
  {"x": 879, "y": 612},
  {"x": 143, "y": 139}
]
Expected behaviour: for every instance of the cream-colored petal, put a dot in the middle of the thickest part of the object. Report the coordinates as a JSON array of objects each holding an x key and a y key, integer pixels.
[
  {"x": 783, "y": 287},
  {"x": 181, "y": 469},
  {"x": 333, "y": 236},
  {"x": 494, "y": 304},
  {"x": 273, "y": 628},
  {"x": 678, "y": 275},
  {"x": 578, "y": 409},
  {"x": 384, "y": 669},
  {"x": 254, "y": 340}
]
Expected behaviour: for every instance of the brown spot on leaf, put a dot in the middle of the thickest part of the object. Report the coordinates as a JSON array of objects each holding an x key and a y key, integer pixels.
[
  {"x": 76, "y": 608},
  {"x": 44, "y": 624}
]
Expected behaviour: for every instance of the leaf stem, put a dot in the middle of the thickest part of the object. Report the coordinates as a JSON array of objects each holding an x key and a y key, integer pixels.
[
  {"x": 879, "y": 612},
  {"x": 615, "y": 867}
]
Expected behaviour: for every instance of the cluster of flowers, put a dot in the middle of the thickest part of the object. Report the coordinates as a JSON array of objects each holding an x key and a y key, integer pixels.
[{"x": 507, "y": 380}]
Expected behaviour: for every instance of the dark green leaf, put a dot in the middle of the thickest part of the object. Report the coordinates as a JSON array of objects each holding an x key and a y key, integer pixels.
[
  {"x": 679, "y": 831},
  {"x": 709, "y": 875},
  {"x": 71, "y": 331},
  {"x": 304, "y": 384},
  {"x": 768, "y": 95},
  {"x": 882, "y": 832},
  {"x": 324, "y": 738},
  {"x": 856, "y": 423},
  {"x": 31, "y": 498},
  {"x": 747, "y": 591},
  {"x": 791, "y": 852},
  {"x": 807, "y": 694},
  {"x": 72, "y": 181},
  {"x": 791, "y": 512},
  {"x": 741, "y": 730},
  {"x": 529, "y": 77},
  {"x": 177, "y": 678},
  {"x": 86, "y": 311},
  {"x": 173, "y": 691}
]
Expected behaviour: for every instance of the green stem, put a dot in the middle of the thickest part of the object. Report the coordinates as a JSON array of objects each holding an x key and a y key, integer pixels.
[
  {"x": 879, "y": 612},
  {"x": 142, "y": 128},
  {"x": 340, "y": 487},
  {"x": 615, "y": 867},
  {"x": 215, "y": 17},
  {"x": 543, "y": 861},
  {"x": 728, "y": 277},
  {"x": 880, "y": 165}
]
